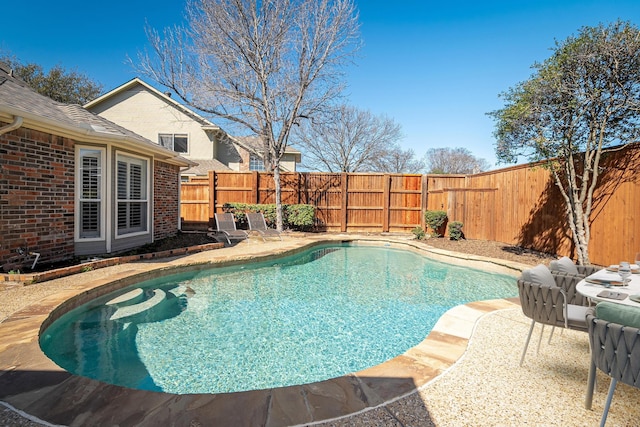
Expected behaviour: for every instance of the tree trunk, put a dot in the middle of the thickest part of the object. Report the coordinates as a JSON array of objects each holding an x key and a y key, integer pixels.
[{"x": 279, "y": 216}]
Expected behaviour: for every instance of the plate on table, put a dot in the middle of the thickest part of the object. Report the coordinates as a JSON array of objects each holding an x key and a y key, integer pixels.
[
  {"x": 634, "y": 298},
  {"x": 604, "y": 282},
  {"x": 635, "y": 269}
]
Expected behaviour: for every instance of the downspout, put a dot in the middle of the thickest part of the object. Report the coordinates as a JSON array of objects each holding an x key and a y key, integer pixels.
[{"x": 17, "y": 122}]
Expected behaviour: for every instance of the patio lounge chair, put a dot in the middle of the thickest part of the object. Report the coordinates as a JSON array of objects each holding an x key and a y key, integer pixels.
[
  {"x": 226, "y": 225},
  {"x": 546, "y": 298},
  {"x": 257, "y": 223},
  {"x": 615, "y": 350}
]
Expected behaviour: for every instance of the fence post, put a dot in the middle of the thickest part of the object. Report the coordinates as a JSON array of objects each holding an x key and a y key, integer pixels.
[
  {"x": 255, "y": 184},
  {"x": 386, "y": 201},
  {"x": 345, "y": 198},
  {"x": 425, "y": 199},
  {"x": 212, "y": 197}
]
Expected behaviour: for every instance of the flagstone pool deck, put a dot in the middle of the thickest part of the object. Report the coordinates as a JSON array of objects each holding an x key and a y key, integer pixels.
[{"x": 395, "y": 393}]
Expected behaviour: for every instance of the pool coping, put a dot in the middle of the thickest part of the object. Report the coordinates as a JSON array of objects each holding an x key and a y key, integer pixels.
[{"x": 34, "y": 385}]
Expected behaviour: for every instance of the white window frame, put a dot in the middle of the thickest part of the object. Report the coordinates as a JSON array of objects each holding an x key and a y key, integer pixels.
[
  {"x": 254, "y": 158},
  {"x": 173, "y": 141},
  {"x": 133, "y": 159},
  {"x": 101, "y": 152}
]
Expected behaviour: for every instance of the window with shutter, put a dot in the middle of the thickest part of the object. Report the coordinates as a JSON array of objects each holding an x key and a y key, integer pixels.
[
  {"x": 90, "y": 197},
  {"x": 132, "y": 203}
]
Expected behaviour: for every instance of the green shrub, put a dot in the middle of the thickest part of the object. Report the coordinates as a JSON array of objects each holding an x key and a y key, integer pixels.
[
  {"x": 455, "y": 230},
  {"x": 436, "y": 221},
  {"x": 295, "y": 217},
  {"x": 419, "y": 233},
  {"x": 300, "y": 217}
]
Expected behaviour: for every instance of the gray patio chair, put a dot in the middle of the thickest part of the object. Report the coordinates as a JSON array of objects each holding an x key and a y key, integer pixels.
[
  {"x": 226, "y": 225},
  {"x": 615, "y": 350},
  {"x": 257, "y": 223},
  {"x": 566, "y": 265},
  {"x": 546, "y": 298}
]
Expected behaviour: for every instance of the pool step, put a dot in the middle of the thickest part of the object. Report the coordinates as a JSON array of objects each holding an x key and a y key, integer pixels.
[
  {"x": 131, "y": 310},
  {"x": 129, "y": 298}
]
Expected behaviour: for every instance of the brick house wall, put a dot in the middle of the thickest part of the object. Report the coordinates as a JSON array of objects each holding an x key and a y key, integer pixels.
[
  {"x": 36, "y": 195},
  {"x": 245, "y": 155},
  {"x": 166, "y": 200},
  {"x": 37, "y": 198}
]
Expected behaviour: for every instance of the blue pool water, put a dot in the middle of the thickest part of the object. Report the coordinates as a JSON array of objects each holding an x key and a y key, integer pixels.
[{"x": 326, "y": 312}]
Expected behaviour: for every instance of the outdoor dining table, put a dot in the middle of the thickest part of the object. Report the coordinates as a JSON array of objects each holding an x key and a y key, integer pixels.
[{"x": 593, "y": 287}]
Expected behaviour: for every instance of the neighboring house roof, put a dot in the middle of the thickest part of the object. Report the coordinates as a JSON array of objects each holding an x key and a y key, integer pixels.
[
  {"x": 23, "y": 106},
  {"x": 204, "y": 166},
  {"x": 206, "y": 124},
  {"x": 254, "y": 144}
]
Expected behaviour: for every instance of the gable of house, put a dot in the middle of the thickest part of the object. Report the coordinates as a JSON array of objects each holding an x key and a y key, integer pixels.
[{"x": 153, "y": 114}]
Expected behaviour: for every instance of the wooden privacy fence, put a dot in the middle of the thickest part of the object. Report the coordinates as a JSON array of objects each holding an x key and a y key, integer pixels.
[
  {"x": 519, "y": 205},
  {"x": 344, "y": 202}
]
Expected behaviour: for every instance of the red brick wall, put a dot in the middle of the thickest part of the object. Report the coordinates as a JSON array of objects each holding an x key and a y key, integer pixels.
[
  {"x": 245, "y": 155},
  {"x": 36, "y": 195},
  {"x": 165, "y": 200}
]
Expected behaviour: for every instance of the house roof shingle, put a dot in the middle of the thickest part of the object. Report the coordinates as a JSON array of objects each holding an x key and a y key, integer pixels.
[
  {"x": 17, "y": 99},
  {"x": 204, "y": 166}
]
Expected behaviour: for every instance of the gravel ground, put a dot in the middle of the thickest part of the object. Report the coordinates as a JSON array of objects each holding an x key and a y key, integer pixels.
[{"x": 492, "y": 250}]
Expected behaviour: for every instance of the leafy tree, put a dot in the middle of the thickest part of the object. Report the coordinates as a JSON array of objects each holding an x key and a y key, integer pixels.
[
  {"x": 265, "y": 65},
  {"x": 580, "y": 103},
  {"x": 454, "y": 161},
  {"x": 69, "y": 87},
  {"x": 348, "y": 139}
]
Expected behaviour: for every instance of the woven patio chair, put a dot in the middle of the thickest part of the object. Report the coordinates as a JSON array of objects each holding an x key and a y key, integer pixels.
[
  {"x": 566, "y": 265},
  {"x": 546, "y": 298},
  {"x": 615, "y": 350}
]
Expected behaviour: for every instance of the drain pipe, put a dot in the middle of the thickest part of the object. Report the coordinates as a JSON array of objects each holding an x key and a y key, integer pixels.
[{"x": 17, "y": 122}]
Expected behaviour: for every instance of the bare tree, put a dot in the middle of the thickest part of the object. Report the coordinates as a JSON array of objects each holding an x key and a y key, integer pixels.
[
  {"x": 347, "y": 139},
  {"x": 453, "y": 160},
  {"x": 398, "y": 160},
  {"x": 265, "y": 65},
  {"x": 580, "y": 103}
]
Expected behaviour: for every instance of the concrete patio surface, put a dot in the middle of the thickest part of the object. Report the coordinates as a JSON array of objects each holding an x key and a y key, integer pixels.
[{"x": 464, "y": 373}]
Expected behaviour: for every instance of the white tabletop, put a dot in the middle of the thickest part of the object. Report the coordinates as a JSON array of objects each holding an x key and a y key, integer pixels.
[{"x": 592, "y": 290}]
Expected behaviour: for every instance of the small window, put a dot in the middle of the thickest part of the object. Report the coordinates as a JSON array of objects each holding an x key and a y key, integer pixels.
[
  {"x": 256, "y": 163},
  {"x": 178, "y": 142},
  {"x": 132, "y": 203}
]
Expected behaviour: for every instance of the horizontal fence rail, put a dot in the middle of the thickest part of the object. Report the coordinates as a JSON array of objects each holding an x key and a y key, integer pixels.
[{"x": 519, "y": 205}]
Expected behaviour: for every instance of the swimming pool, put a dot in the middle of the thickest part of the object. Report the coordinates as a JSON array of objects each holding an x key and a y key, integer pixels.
[{"x": 320, "y": 314}]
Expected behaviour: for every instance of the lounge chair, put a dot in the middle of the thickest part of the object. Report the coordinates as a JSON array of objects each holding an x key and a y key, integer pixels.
[
  {"x": 257, "y": 223},
  {"x": 226, "y": 225},
  {"x": 547, "y": 299}
]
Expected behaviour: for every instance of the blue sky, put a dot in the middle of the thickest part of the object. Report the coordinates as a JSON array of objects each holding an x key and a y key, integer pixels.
[{"x": 435, "y": 67}]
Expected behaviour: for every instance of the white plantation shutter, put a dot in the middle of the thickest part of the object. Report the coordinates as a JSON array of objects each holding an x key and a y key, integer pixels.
[
  {"x": 90, "y": 194},
  {"x": 132, "y": 209}
]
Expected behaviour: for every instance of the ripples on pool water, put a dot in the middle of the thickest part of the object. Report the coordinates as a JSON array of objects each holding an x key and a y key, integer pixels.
[{"x": 317, "y": 315}]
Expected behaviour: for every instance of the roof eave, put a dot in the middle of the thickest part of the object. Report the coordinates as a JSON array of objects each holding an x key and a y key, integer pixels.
[{"x": 88, "y": 134}]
